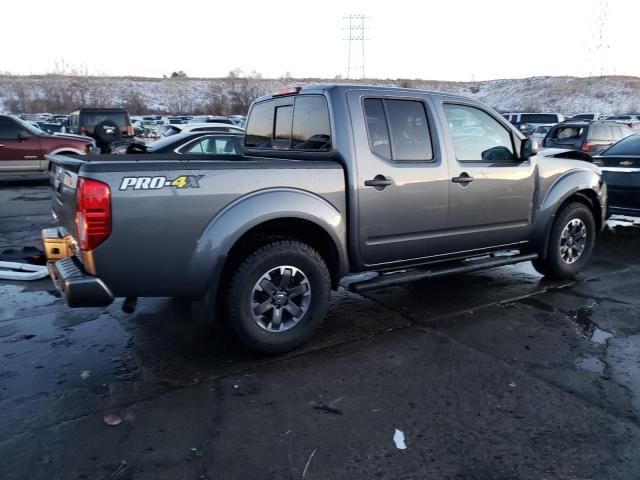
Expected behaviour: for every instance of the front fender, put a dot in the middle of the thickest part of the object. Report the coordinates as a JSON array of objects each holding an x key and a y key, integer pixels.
[
  {"x": 250, "y": 211},
  {"x": 565, "y": 186}
]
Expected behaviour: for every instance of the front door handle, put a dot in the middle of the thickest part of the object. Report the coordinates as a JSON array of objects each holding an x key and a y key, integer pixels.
[
  {"x": 380, "y": 182},
  {"x": 464, "y": 179},
  {"x": 1, "y": 145}
]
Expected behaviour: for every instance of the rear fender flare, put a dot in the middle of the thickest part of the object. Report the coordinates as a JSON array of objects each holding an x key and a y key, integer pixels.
[{"x": 250, "y": 211}]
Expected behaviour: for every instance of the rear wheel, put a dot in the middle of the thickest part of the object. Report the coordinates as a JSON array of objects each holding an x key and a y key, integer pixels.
[
  {"x": 570, "y": 244},
  {"x": 278, "y": 296}
]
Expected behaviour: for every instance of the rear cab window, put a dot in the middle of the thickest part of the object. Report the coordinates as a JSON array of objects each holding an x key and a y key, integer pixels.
[
  {"x": 398, "y": 129},
  {"x": 297, "y": 123}
]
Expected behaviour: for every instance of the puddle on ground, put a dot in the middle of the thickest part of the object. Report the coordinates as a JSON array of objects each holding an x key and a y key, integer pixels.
[
  {"x": 600, "y": 336},
  {"x": 591, "y": 364},
  {"x": 587, "y": 328}
]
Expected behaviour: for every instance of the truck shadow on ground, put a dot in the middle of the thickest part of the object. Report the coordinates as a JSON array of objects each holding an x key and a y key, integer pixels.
[{"x": 175, "y": 343}]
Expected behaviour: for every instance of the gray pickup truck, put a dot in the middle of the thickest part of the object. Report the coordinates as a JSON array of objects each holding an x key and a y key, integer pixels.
[{"x": 334, "y": 180}]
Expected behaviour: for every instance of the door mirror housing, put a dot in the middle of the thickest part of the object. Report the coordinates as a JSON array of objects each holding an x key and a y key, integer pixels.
[
  {"x": 528, "y": 149},
  {"x": 22, "y": 136}
]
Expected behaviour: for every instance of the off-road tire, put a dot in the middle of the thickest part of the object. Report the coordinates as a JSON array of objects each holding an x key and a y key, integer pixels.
[
  {"x": 553, "y": 266},
  {"x": 238, "y": 309}
]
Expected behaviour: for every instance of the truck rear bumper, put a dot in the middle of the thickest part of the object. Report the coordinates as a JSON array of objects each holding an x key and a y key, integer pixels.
[{"x": 78, "y": 287}]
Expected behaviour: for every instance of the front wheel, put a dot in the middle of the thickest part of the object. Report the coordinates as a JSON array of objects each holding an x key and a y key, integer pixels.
[
  {"x": 571, "y": 242},
  {"x": 278, "y": 296}
]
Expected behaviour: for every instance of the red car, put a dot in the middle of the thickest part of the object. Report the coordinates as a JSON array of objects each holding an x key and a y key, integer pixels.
[{"x": 23, "y": 147}]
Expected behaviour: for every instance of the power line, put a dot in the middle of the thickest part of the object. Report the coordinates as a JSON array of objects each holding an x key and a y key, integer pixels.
[{"x": 355, "y": 27}]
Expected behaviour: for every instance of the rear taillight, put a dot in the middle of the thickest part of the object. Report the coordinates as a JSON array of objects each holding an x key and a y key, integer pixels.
[
  {"x": 586, "y": 147},
  {"x": 83, "y": 130},
  {"x": 93, "y": 213},
  {"x": 130, "y": 130}
]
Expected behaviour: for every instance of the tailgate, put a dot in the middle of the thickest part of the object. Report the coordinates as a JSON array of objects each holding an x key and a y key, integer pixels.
[{"x": 63, "y": 178}]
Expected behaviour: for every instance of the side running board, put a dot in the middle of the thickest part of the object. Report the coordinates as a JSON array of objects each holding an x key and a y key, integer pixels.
[{"x": 400, "y": 278}]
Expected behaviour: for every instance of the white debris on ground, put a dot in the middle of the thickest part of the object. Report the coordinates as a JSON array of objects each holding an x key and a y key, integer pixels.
[
  {"x": 22, "y": 271},
  {"x": 398, "y": 439}
]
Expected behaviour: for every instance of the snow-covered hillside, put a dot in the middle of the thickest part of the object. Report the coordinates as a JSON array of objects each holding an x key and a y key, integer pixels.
[{"x": 60, "y": 94}]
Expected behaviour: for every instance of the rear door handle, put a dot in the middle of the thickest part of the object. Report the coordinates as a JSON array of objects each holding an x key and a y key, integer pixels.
[
  {"x": 1, "y": 145},
  {"x": 463, "y": 179},
  {"x": 380, "y": 182}
]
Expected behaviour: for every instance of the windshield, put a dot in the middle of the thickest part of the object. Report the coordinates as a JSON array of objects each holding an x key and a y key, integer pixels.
[
  {"x": 626, "y": 146},
  {"x": 29, "y": 127}
]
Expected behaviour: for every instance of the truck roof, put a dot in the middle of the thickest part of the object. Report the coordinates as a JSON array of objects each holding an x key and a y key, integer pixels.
[{"x": 343, "y": 87}]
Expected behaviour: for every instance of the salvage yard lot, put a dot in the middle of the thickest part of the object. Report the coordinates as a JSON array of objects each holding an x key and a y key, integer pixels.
[{"x": 497, "y": 374}]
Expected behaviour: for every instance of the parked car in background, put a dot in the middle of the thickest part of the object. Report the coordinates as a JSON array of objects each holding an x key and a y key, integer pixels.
[
  {"x": 535, "y": 119},
  {"x": 239, "y": 120},
  {"x": 169, "y": 130},
  {"x": 589, "y": 137},
  {"x": 527, "y": 129},
  {"x": 104, "y": 125},
  {"x": 620, "y": 164},
  {"x": 586, "y": 116},
  {"x": 539, "y": 133},
  {"x": 211, "y": 119},
  {"x": 51, "y": 127},
  {"x": 631, "y": 121},
  {"x": 210, "y": 143},
  {"x": 23, "y": 147}
]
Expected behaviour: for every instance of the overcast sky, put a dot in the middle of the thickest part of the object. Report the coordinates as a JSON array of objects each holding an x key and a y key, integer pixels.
[{"x": 442, "y": 40}]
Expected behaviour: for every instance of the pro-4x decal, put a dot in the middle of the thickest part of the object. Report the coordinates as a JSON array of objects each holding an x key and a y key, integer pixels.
[{"x": 156, "y": 183}]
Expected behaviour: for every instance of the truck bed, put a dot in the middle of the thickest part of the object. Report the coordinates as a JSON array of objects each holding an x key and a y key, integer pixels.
[{"x": 163, "y": 208}]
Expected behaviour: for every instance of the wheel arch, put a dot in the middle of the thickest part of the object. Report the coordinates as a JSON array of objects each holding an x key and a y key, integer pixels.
[
  {"x": 252, "y": 220},
  {"x": 63, "y": 150},
  {"x": 586, "y": 193}
]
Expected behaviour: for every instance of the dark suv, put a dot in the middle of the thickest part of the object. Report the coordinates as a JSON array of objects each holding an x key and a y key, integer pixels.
[
  {"x": 588, "y": 137},
  {"x": 104, "y": 125}
]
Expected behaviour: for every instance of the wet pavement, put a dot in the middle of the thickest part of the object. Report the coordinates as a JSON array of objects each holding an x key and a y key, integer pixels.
[{"x": 493, "y": 375}]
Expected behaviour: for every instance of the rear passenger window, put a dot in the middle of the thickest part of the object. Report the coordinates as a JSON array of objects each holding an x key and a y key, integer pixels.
[
  {"x": 377, "y": 128},
  {"x": 398, "y": 129}
]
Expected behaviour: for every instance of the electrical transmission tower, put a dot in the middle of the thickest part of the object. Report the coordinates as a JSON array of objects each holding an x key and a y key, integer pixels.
[
  {"x": 599, "y": 56},
  {"x": 355, "y": 27}
]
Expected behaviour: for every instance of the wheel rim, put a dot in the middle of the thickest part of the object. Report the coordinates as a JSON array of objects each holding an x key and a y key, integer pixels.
[
  {"x": 573, "y": 241},
  {"x": 280, "y": 298}
]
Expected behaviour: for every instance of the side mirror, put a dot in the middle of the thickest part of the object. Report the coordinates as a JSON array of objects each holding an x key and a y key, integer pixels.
[
  {"x": 528, "y": 148},
  {"x": 22, "y": 136}
]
